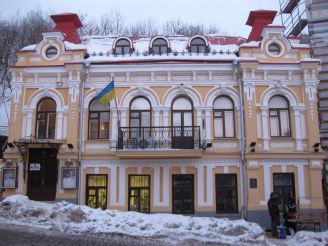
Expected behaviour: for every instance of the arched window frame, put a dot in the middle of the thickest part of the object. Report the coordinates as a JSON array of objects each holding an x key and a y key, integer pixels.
[
  {"x": 131, "y": 111},
  {"x": 160, "y": 46},
  {"x": 96, "y": 115},
  {"x": 192, "y": 44},
  {"x": 121, "y": 47},
  {"x": 46, "y": 114},
  {"x": 223, "y": 117},
  {"x": 276, "y": 113},
  {"x": 182, "y": 111}
]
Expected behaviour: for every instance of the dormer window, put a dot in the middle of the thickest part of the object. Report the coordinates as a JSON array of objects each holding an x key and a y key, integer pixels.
[
  {"x": 51, "y": 52},
  {"x": 160, "y": 46},
  {"x": 198, "y": 45},
  {"x": 274, "y": 49},
  {"x": 122, "y": 47}
]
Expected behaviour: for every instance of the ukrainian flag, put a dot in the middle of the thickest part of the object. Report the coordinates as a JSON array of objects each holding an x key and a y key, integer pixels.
[{"x": 107, "y": 94}]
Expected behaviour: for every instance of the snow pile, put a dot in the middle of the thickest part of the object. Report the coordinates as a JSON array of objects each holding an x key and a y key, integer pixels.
[
  {"x": 73, "y": 218},
  {"x": 307, "y": 238}
]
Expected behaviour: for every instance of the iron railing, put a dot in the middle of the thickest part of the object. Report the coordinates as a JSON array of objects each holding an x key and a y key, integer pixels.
[{"x": 176, "y": 137}]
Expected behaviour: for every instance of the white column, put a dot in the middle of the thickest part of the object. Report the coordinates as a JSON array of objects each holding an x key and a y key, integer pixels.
[
  {"x": 65, "y": 126},
  {"x": 209, "y": 185},
  {"x": 28, "y": 131},
  {"x": 298, "y": 130},
  {"x": 123, "y": 116},
  {"x": 114, "y": 127},
  {"x": 200, "y": 181},
  {"x": 20, "y": 176},
  {"x": 157, "y": 186},
  {"x": 166, "y": 185},
  {"x": 301, "y": 185},
  {"x": 59, "y": 124},
  {"x": 156, "y": 117},
  {"x": 122, "y": 189},
  {"x": 166, "y": 117},
  {"x": 24, "y": 125},
  {"x": 265, "y": 128},
  {"x": 267, "y": 183},
  {"x": 208, "y": 125},
  {"x": 112, "y": 186},
  {"x": 199, "y": 122}
]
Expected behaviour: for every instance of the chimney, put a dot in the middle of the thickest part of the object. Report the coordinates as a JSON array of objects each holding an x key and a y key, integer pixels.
[
  {"x": 68, "y": 23},
  {"x": 259, "y": 19}
]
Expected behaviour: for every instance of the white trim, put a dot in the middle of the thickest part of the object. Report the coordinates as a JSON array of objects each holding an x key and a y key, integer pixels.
[
  {"x": 219, "y": 91},
  {"x": 182, "y": 90},
  {"x": 151, "y": 95}
]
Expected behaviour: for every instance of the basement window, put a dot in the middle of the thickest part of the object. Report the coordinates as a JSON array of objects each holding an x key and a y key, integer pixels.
[
  {"x": 274, "y": 49},
  {"x": 51, "y": 52}
]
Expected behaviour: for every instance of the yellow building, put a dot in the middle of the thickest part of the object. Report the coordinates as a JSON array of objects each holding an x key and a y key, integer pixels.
[{"x": 200, "y": 125}]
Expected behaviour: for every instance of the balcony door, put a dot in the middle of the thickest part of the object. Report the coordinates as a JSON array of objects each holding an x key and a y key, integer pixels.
[
  {"x": 182, "y": 124},
  {"x": 140, "y": 121}
]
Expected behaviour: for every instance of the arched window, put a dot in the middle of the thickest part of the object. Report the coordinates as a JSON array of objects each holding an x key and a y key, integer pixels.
[
  {"x": 98, "y": 120},
  {"x": 223, "y": 114},
  {"x": 46, "y": 119},
  {"x": 198, "y": 45},
  {"x": 160, "y": 46},
  {"x": 122, "y": 47},
  {"x": 140, "y": 116},
  {"x": 279, "y": 117}
]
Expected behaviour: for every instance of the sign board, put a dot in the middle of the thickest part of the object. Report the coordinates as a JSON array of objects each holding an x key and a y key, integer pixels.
[{"x": 35, "y": 166}]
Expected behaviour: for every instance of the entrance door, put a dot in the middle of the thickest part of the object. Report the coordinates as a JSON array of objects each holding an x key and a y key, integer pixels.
[
  {"x": 96, "y": 191},
  {"x": 183, "y": 193},
  {"x": 182, "y": 122},
  {"x": 42, "y": 174},
  {"x": 284, "y": 185},
  {"x": 139, "y": 193}
]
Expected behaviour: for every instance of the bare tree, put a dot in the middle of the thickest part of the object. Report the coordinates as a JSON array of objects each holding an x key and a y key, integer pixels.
[{"x": 147, "y": 27}]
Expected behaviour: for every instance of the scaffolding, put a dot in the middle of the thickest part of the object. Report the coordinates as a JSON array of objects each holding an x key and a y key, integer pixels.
[{"x": 293, "y": 17}]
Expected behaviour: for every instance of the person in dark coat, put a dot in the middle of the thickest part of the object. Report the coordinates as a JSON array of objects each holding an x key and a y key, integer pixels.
[
  {"x": 273, "y": 206},
  {"x": 291, "y": 211}
]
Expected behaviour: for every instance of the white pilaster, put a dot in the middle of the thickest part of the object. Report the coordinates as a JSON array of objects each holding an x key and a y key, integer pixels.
[
  {"x": 156, "y": 117},
  {"x": 28, "y": 131},
  {"x": 199, "y": 121},
  {"x": 267, "y": 183},
  {"x": 59, "y": 124},
  {"x": 298, "y": 133},
  {"x": 114, "y": 127},
  {"x": 208, "y": 125},
  {"x": 265, "y": 128},
  {"x": 123, "y": 116},
  {"x": 166, "y": 117}
]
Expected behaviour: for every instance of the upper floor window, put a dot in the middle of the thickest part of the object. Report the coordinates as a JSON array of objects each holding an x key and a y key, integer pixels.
[
  {"x": 122, "y": 47},
  {"x": 46, "y": 119},
  {"x": 182, "y": 112},
  {"x": 274, "y": 49},
  {"x": 198, "y": 45},
  {"x": 159, "y": 46},
  {"x": 140, "y": 116},
  {"x": 51, "y": 52},
  {"x": 98, "y": 120},
  {"x": 279, "y": 117},
  {"x": 223, "y": 114}
]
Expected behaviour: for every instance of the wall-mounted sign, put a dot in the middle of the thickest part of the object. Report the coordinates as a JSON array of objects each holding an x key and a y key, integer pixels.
[
  {"x": 68, "y": 177},
  {"x": 9, "y": 177},
  {"x": 35, "y": 166}
]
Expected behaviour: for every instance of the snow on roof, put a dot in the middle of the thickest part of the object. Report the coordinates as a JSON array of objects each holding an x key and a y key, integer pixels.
[{"x": 29, "y": 48}]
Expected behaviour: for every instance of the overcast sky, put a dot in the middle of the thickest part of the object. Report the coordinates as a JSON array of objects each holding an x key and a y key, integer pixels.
[{"x": 230, "y": 15}]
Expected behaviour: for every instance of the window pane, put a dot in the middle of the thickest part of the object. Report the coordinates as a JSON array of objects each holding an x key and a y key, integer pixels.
[
  {"x": 187, "y": 119},
  {"x": 198, "y": 41},
  {"x": 93, "y": 128},
  {"x": 223, "y": 103},
  {"x": 47, "y": 105},
  {"x": 284, "y": 120},
  {"x": 41, "y": 129},
  {"x": 177, "y": 119},
  {"x": 274, "y": 126},
  {"x": 218, "y": 127},
  {"x": 145, "y": 119},
  {"x": 155, "y": 50},
  {"x": 51, "y": 125},
  {"x": 278, "y": 102},
  {"x": 159, "y": 41},
  {"x": 104, "y": 125},
  {"x": 97, "y": 106},
  {"x": 126, "y": 50},
  {"x": 182, "y": 104},
  {"x": 140, "y": 103},
  {"x": 229, "y": 124}
]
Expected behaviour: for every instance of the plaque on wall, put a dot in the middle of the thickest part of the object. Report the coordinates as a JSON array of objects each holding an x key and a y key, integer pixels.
[
  {"x": 68, "y": 176},
  {"x": 9, "y": 177}
]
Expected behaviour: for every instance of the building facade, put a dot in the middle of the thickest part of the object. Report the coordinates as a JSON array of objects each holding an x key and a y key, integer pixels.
[{"x": 200, "y": 125}]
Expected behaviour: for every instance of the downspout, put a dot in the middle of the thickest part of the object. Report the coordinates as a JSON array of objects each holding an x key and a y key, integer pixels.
[
  {"x": 242, "y": 139},
  {"x": 86, "y": 66}
]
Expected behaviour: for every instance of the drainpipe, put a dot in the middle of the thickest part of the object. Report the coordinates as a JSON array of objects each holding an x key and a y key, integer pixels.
[
  {"x": 242, "y": 139},
  {"x": 86, "y": 66}
]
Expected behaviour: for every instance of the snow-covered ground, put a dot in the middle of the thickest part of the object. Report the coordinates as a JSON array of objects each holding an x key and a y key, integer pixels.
[{"x": 169, "y": 228}]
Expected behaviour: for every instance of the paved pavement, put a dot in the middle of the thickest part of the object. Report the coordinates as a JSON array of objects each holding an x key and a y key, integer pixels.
[{"x": 14, "y": 235}]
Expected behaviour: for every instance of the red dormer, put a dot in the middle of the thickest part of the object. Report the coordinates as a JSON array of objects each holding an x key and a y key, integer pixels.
[{"x": 68, "y": 23}]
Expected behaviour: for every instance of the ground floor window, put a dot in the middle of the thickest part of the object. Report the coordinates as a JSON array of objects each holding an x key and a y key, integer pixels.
[
  {"x": 183, "y": 193},
  {"x": 226, "y": 193},
  {"x": 139, "y": 193},
  {"x": 284, "y": 185},
  {"x": 96, "y": 193}
]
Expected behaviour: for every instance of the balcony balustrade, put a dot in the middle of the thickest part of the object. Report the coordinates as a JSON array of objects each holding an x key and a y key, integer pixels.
[{"x": 176, "y": 137}]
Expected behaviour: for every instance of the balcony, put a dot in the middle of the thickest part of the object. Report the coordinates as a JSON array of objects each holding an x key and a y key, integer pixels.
[{"x": 159, "y": 138}]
